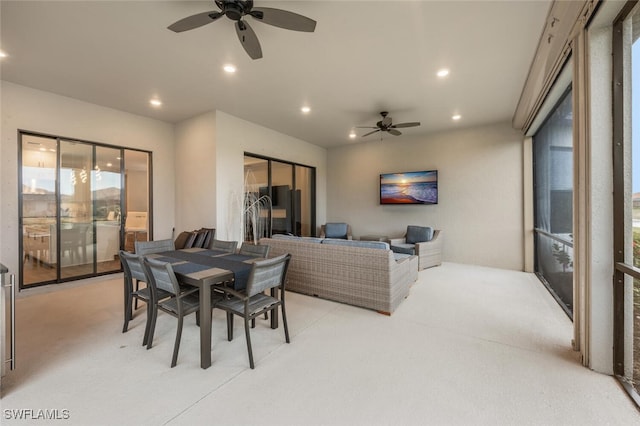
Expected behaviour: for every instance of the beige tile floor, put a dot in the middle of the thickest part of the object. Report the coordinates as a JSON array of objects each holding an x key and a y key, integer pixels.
[{"x": 469, "y": 346}]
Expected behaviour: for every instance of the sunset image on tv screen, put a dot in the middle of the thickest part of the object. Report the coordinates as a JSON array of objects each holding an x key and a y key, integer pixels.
[{"x": 409, "y": 188}]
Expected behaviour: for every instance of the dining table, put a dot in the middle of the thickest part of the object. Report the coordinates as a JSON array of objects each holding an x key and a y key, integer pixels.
[{"x": 207, "y": 269}]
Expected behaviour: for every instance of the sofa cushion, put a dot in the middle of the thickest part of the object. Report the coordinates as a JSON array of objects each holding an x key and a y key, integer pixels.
[
  {"x": 351, "y": 243},
  {"x": 335, "y": 230},
  {"x": 185, "y": 240},
  {"x": 418, "y": 234},
  {"x": 316, "y": 240},
  {"x": 201, "y": 236},
  {"x": 404, "y": 248},
  {"x": 284, "y": 237},
  {"x": 296, "y": 238}
]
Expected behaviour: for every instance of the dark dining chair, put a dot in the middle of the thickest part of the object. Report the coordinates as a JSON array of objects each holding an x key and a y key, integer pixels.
[
  {"x": 254, "y": 250},
  {"x": 144, "y": 248},
  {"x": 253, "y": 302},
  {"x": 183, "y": 300},
  {"x": 228, "y": 246},
  {"x": 133, "y": 270}
]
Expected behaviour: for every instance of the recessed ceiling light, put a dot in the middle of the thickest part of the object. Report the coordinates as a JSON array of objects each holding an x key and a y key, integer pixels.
[
  {"x": 352, "y": 135},
  {"x": 109, "y": 164},
  {"x": 43, "y": 149},
  {"x": 155, "y": 102},
  {"x": 229, "y": 68},
  {"x": 443, "y": 72},
  {"x": 305, "y": 109},
  {"x": 456, "y": 117},
  {"x": 2, "y": 54}
]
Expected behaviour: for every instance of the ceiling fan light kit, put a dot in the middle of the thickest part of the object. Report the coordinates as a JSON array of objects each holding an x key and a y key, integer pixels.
[
  {"x": 236, "y": 10},
  {"x": 386, "y": 125}
]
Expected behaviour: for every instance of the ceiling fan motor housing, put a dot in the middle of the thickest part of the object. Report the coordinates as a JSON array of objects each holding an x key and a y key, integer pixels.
[{"x": 233, "y": 10}]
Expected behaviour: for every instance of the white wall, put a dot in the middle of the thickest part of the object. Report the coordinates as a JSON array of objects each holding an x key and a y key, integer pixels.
[
  {"x": 599, "y": 191},
  {"x": 480, "y": 191},
  {"x": 37, "y": 111},
  {"x": 195, "y": 186},
  {"x": 234, "y": 137}
]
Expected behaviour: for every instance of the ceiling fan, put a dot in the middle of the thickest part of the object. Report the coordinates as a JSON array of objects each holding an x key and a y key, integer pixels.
[
  {"x": 236, "y": 10},
  {"x": 385, "y": 125}
]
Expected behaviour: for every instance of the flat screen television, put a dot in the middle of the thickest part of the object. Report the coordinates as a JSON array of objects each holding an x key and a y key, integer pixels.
[{"x": 409, "y": 187}]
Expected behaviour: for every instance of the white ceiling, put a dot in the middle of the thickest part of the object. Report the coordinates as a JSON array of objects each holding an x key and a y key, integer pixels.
[{"x": 364, "y": 57}]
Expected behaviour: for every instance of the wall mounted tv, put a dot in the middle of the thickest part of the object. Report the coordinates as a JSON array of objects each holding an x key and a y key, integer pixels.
[{"x": 409, "y": 187}]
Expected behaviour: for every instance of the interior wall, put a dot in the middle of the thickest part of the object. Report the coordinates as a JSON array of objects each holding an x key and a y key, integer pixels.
[
  {"x": 195, "y": 185},
  {"x": 480, "y": 183},
  {"x": 234, "y": 137},
  {"x": 37, "y": 111}
]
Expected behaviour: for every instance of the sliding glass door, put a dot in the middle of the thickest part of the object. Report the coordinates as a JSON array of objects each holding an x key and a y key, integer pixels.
[
  {"x": 72, "y": 204},
  {"x": 291, "y": 190},
  {"x": 553, "y": 198}
]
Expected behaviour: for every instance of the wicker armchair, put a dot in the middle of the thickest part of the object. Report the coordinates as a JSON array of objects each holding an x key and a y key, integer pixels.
[
  {"x": 336, "y": 230},
  {"x": 429, "y": 250}
]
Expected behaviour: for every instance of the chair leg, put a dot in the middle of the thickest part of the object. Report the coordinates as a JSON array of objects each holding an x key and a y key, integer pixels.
[
  {"x": 147, "y": 326},
  {"x": 284, "y": 322},
  {"x": 136, "y": 301},
  {"x": 127, "y": 310},
  {"x": 198, "y": 318},
  {"x": 176, "y": 346},
  {"x": 152, "y": 324},
  {"x": 229, "y": 326},
  {"x": 253, "y": 320},
  {"x": 248, "y": 336}
]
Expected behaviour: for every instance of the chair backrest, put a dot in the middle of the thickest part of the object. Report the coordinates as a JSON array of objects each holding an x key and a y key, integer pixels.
[
  {"x": 336, "y": 230},
  {"x": 266, "y": 274},
  {"x": 228, "y": 246},
  {"x": 254, "y": 250},
  {"x": 161, "y": 275},
  {"x": 418, "y": 234},
  {"x": 203, "y": 237},
  {"x": 147, "y": 247},
  {"x": 132, "y": 266}
]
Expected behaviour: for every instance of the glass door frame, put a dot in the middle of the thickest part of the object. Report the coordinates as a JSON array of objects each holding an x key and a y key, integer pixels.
[
  {"x": 293, "y": 165},
  {"x": 624, "y": 272},
  {"x": 94, "y": 145}
]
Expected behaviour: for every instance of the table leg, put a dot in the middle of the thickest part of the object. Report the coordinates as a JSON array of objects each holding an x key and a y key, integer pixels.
[{"x": 205, "y": 326}]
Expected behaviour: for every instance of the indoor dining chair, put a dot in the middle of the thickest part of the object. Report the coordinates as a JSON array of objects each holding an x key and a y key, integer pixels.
[
  {"x": 144, "y": 248},
  {"x": 252, "y": 302},
  {"x": 133, "y": 270},
  {"x": 228, "y": 246},
  {"x": 254, "y": 250},
  {"x": 184, "y": 300}
]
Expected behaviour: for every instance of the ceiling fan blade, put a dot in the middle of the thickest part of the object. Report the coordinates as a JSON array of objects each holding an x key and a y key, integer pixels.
[
  {"x": 248, "y": 39},
  {"x": 386, "y": 121},
  {"x": 283, "y": 19},
  {"x": 366, "y": 127},
  {"x": 194, "y": 21},
  {"x": 370, "y": 133},
  {"x": 394, "y": 132},
  {"x": 401, "y": 125}
]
